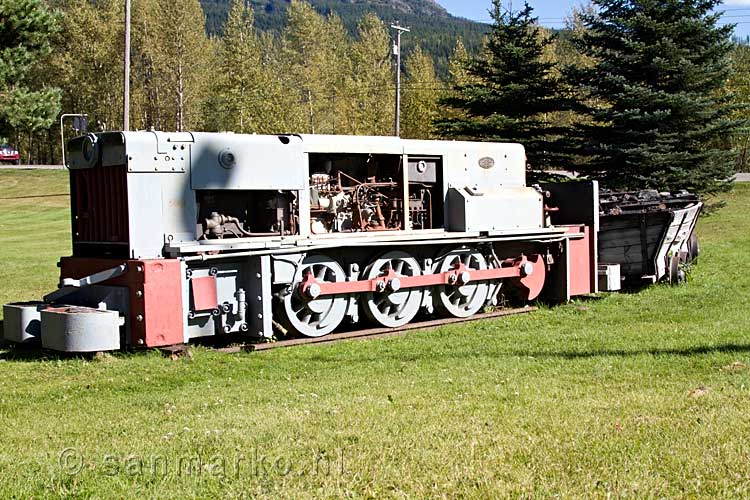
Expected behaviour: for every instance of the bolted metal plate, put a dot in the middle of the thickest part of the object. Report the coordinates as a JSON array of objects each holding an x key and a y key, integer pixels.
[{"x": 80, "y": 329}]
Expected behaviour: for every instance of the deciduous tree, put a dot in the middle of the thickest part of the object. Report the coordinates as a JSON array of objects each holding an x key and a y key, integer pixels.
[{"x": 420, "y": 96}]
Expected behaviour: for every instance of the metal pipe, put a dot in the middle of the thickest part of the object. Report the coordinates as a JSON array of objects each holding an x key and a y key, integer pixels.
[{"x": 241, "y": 305}]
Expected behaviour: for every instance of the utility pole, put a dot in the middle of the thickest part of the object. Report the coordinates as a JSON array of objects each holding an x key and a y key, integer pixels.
[
  {"x": 397, "y": 52},
  {"x": 126, "y": 89}
]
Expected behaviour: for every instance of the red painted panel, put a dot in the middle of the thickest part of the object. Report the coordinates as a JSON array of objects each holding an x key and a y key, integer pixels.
[
  {"x": 204, "y": 293},
  {"x": 155, "y": 292},
  {"x": 162, "y": 302},
  {"x": 581, "y": 260}
]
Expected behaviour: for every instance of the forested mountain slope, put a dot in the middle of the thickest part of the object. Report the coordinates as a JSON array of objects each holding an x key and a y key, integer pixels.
[{"x": 432, "y": 26}]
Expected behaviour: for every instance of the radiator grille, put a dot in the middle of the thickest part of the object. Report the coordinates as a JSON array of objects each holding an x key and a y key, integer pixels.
[{"x": 99, "y": 199}]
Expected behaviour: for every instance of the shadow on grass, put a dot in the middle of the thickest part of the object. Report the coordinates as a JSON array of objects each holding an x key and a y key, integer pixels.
[
  {"x": 463, "y": 352},
  {"x": 11, "y": 351},
  {"x": 34, "y": 352},
  {"x": 28, "y": 352},
  {"x": 688, "y": 351}
]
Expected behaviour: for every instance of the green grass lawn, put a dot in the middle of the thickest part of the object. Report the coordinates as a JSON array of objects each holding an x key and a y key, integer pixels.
[{"x": 640, "y": 395}]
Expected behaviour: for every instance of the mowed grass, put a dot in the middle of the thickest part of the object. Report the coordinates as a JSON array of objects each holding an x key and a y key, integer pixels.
[{"x": 640, "y": 395}]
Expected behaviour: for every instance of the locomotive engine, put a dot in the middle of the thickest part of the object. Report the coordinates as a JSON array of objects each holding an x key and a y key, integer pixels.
[{"x": 184, "y": 235}]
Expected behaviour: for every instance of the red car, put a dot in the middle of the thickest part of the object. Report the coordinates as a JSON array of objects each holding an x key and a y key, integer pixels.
[{"x": 9, "y": 154}]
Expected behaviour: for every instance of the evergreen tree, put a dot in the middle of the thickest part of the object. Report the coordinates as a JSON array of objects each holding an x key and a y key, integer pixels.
[
  {"x": 659, "y": 118},
  {"x": 26, "y": 28},
  {"x": 509, "y": 90},
  {"x": 421, "y": 93}
]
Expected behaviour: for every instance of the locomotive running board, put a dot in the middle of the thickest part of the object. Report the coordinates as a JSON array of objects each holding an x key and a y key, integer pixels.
[{"x": 372, "y": 332}]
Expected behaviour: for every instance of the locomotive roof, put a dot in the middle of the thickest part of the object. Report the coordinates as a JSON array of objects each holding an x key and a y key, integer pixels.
[{"x": 320, "y": 143}]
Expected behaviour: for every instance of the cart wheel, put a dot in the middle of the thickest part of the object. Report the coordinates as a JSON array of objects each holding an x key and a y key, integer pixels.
[
  {"x": 676, "y": 273},
  {"x": 694, "y": 249}
]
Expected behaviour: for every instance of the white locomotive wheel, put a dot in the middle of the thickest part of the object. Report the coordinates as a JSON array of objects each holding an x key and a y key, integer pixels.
[
  {"x": 393, "y": 306},
  {"x": 319, "y": 316},
  {"x": 462, "y": 299}
]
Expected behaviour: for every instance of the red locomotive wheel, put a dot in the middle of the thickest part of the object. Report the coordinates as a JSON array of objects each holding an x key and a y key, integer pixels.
[{"x": 530, "y": 286}]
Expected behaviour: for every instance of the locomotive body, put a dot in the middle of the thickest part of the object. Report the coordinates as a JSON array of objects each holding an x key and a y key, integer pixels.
[{"x": 185, "y": 235}]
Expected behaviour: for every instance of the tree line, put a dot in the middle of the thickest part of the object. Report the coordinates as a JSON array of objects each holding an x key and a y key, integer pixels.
[{"x": 634, "y": 92}]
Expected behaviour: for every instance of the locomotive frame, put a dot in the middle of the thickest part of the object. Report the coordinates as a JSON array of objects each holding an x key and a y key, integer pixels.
[{"x": 178, "y": 236}]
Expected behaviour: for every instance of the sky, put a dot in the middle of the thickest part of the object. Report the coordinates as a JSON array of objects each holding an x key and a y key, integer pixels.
[{"x": 551, "y": 13}]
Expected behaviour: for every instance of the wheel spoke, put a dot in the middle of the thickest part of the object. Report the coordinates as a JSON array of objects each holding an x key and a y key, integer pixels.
[{"x": 400, "y": 267}]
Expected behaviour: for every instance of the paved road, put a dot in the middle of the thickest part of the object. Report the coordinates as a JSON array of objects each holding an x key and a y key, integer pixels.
[
  {"x": 31, "y": 167},
  {"x": 744, "y": 177}
]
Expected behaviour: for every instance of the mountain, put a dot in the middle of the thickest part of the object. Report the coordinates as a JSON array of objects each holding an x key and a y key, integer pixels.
[{"x": 431, "y": 25}]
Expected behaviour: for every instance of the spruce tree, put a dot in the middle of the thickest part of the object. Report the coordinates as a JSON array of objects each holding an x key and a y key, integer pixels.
[
  {"x": 26, "y": 29},
  {"x": 659, "y": 118},
  {"x": 509, "y": 90}
]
